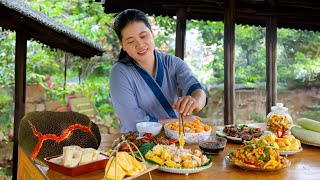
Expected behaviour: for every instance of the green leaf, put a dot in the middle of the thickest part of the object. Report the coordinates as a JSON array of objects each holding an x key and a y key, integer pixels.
[
  {"x": 145, "y": 148},
  {"x": 210, "y": 160}
]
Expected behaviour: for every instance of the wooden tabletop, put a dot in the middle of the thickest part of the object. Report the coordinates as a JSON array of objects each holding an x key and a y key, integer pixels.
[{"x": 304, "y": 165}]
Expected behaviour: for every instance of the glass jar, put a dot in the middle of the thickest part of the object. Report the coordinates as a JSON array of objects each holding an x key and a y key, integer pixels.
[{"x": 279, "y": 120}]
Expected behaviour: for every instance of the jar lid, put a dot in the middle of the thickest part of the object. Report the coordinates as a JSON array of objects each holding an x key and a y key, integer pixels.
[{"x": 279, "y": 107}]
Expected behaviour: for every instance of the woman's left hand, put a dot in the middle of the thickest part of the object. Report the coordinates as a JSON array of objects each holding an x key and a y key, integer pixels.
[{"x": 186, "y": 105}]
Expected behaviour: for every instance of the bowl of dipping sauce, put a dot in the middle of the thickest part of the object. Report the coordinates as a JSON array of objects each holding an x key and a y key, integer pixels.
[{"x": 213, "y": 145}]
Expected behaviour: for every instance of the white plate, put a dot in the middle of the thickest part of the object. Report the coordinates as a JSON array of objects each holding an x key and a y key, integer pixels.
[
  {"x": 185, "y": 171},
  {"x": 251, "y": 168},
  {"x": 221, "y": 134},
  {"x": 287, "y": 153},
  {"x": 232, "y": 139}
]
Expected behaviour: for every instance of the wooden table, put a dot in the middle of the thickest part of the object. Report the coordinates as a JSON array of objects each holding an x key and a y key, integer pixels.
[{"x": 304, "y": 165}]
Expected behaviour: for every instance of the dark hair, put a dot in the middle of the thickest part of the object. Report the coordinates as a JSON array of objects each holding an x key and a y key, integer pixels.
[{"x": 123, "y": 19}]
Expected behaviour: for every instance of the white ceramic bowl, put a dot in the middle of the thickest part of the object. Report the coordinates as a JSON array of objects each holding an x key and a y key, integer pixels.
[
  {"x": 190, "y": 138},
  {"x": 149, "y": 127}
]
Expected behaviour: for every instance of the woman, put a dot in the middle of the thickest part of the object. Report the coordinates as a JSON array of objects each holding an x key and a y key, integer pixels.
[{"x": 144, "y": 83}]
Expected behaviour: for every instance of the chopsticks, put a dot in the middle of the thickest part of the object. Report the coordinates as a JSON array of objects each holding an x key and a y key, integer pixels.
[{"x": 181, "y": 124}]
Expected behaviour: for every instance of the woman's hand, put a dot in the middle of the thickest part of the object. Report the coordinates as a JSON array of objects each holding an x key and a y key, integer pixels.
[{"x": 186, "y": 105}]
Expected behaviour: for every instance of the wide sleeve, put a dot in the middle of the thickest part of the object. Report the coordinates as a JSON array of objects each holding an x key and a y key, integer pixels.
[
  {"x": 185, "y": 78},
  {"x": 124, "y": 101}
]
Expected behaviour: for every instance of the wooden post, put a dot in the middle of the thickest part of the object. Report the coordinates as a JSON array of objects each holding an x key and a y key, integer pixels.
[
  {"x": 229, "y": 69},
  {"x": 20, "y": 89},
  {"x": 271, "y": 55},
  {"x": 180, "y": 32}
]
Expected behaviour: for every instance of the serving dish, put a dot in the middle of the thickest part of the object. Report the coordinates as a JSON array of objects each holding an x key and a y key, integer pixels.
[
  {"x": 287, "y": 153},
  {"x": 236, "y": 140},
  {"x": 185, "y": 171},
  {"x": 78, "y": 170},
  {"x": 190, "y": 138},
  {"x": 252, "y": 168}
]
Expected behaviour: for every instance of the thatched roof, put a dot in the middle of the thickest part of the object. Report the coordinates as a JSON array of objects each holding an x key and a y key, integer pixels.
[
  {"x": 18, "y": 16},
  {"x": 293, "y": 14}
]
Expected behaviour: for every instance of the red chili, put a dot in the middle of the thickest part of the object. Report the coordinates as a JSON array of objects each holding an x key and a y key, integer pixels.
[
  {"x": 283, "y": 131},
  {"x": 125, "y": 149},
  {"x": 252, "y": 163},
  {"x": 172, "y": 141},
  {"x": 148, "y": 135}
]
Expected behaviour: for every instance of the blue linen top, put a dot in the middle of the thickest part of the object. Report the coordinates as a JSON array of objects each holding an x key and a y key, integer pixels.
[{"x": 138, "y": 97}]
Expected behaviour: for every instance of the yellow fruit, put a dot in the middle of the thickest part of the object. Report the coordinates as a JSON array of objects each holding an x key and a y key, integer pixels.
[
  {"x": 157, "y": 159},
  {"x": 114, "y": 170},
  {"x": 123, "y": 162},
  {"x": 172, "y": 164},
  {"x": 136, "y": 164}
]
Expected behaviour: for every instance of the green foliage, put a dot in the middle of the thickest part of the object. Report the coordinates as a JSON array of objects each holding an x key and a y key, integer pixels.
[
  {"x": 165, "y": 37},
  {"x": 6, "y": 173}
]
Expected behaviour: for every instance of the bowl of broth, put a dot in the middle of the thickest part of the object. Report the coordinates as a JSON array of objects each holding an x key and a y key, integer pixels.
[{"x": 213, "y": 145}]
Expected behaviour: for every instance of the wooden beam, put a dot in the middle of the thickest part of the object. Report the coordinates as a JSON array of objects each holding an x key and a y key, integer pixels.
[
  {"x": 19, "y": 92},
  {"x": 229, "y": 71},
  {"x": 271, "y": 55},
  {"x": 180, "y": 32}
]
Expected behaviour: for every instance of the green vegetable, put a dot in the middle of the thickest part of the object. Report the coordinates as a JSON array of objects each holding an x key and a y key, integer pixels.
[
  {"x": 145, "y": 148},
  {"x": 309, "y": 124},
  {"x": 210, "y": 160},
  {"x": 306, "y": 135}
]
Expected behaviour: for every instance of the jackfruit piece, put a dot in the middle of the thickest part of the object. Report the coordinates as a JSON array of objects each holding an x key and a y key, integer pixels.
[
  {"x": 166, "y": 154},
  {"x": 149, "y": 154},
  {"x": 157, "y": 150},
  {"x": 123, "y": 162},
  {"x": 136, "y": 164},
  {"x": 181, "y": 140},
  {"x": 157, "y": 159},
  {"x": 187, "y": 164},
  {"x": 172, "y": 164},
  {"x": 87, "y": 156},
  {"x": 114, "y": 171},
  {"x": 271, "y": 138},
  {"x": 133, "y": 172}
]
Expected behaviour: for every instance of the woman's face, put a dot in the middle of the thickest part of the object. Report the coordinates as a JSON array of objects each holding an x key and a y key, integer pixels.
[{"x": 138, "y": 42}]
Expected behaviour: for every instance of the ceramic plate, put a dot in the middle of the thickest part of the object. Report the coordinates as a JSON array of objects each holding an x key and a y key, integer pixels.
[
  {"x": 185, "y": 171},
  {"x": 232, "y": 139},
  {"x": 287, "y": 153},
  {"x": 251, "y": 168}
]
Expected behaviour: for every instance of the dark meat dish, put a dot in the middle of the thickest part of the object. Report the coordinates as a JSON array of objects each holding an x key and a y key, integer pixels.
[
  {"x": 243, "y": 131},
  {"x": 133, "y": 137}
]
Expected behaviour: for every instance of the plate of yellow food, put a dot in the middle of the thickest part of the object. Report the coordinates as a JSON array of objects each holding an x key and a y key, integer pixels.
[
  {"x": 174, "y": 159},
  {"x": 259, "y": 156},
  {"x": 287, "y": 144}
]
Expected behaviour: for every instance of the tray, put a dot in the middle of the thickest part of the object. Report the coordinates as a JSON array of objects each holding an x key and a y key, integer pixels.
[
  {"x": 78, "y": 170},
  {"x": 251, "y": 168}
]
